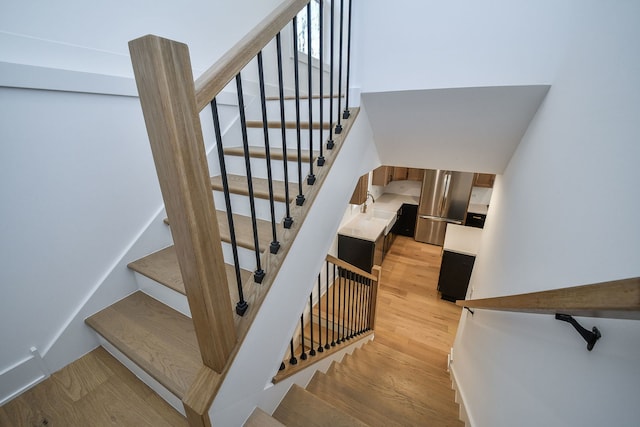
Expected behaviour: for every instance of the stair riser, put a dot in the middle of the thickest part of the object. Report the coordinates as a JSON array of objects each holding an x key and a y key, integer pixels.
[
  {"x": 255, "y": 136},
  {"x": 236, "y": 166},
  {"x": 162, "y": 391},
  {"x": 254, "y": 111},
  {"x": 246, "y": 257},
  {"x": 240, "y": 205},
  {"x": 165, "y": 295}
]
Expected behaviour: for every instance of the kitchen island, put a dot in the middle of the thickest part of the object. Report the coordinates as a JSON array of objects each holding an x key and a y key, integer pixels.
[{"x": 460, "y": 248}]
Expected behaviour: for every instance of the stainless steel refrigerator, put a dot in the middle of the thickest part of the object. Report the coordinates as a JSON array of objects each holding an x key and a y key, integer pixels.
[{"x": 444, "y": 199}]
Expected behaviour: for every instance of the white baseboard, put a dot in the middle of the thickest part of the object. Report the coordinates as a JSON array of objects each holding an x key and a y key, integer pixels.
[
  {"x": 460, "y": 398},
  {"x": 20, "y": 377}
]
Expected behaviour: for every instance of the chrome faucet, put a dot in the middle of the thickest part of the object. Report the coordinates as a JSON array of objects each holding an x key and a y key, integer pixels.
[{"x": 364, "y": 206}]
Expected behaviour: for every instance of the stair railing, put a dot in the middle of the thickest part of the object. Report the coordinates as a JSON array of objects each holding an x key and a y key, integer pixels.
[
  {"x": 171, "y": 102},
  {"x": 617, "y": 299},
  {"x": 341, "y": 309}
]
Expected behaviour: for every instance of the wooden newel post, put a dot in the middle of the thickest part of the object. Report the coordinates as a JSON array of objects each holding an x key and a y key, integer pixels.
[
  {"x": 377, "y": 272},
  {"x": 165, "y": 84}
]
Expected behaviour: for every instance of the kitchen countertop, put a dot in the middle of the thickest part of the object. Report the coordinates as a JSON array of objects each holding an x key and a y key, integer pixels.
[
  {"x": 379, "y": 218},
  {"x": 462, "y": 240}
]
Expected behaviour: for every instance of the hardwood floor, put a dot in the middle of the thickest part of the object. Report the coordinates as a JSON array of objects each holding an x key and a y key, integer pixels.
[
  {"x": 96, "y": 390},
  {"x": 411, "y": 317}
]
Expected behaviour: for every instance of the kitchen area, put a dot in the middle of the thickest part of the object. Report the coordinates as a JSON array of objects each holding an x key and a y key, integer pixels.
[{"x": 436, "y": 207}]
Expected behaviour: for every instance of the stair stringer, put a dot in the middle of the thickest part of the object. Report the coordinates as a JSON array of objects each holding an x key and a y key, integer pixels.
[{"x": 258, "y": 358}]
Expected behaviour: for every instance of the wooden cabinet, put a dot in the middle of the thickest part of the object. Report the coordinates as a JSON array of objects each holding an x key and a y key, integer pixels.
[
  {"x": 483, "y": 180},
  {"x": 359, "y": 195},
  {"x": 382, "y": 175},
  {"x": 399, "y": 173},
  {"x": 385, "y": 174},
  {"x": 414, "y": 174}
]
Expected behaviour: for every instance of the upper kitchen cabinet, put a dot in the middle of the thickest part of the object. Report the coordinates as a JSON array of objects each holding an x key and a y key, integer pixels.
[
  {"x": 382, "y": 175},
  {"x": 385, "y": 174},
  {"x": 399, "y": 173},
  {"x": 484, "y": 180},
  {"x": 359, "y": 195}
]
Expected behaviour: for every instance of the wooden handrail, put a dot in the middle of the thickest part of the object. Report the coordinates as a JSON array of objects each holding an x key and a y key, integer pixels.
[
  {"x": 618, "y": 299},
  {"x": 212, "y": 81},
  {"x": 353, "y": 268}
]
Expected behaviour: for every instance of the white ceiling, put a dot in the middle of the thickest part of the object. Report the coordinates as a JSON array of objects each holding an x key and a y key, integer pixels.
[{"x": 473, "y": 129}]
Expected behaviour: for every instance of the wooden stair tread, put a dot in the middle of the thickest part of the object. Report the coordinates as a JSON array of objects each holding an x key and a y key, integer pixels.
[
  {"x": 425, "y": 363},
  {"x": 288, "y": 124},
  {"x": 276, "y": 153},
  {"x": 400, "y": 369},
  {"x": 341, "y": 396},
  {"x": 238, "y": 185},
  {"x": 388, "y": 400},
  {"x": 157, "y": 338},
  {"x": 419, "y": 388},
  {"x": 163, "y": 267},
  {"x": 259, "y": 418},
  {"x": 244, "y": 231},
  {"x": 299, "y": 408}
]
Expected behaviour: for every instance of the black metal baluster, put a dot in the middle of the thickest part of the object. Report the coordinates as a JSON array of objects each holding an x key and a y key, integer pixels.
[
  {"x": 312, "y": 352},
  {"x": 259, "y": 272},
  {"x": 296, "y": 74},
  {"x": 275, "y": 244},
  {"x": 350, "y": 305},
  {"x": 330, "y": 142},
  {"x": 363, "y": 303},
  {"x": 347, "y": 113},
  {"x": 344, "y": 306},
  {"x": 311, "y": 178},
  {"x": 303, "y": 355},
  {"x": 356, "y": 304},
  {"x": 370, "y": 304},
  {"x": 241, "y": 305},
  {"x": 339, "y": 125},
  {"x": 320, "y": 348},
  {"x": 360, "y": 304},
  {"x": 288, "y": 221},
  {"x": 365, "y": 289},
  {"x": 321, "y": 159},
  {"x": 327, "y": 346},
  {"x": 333, "y": 309},
  {"x": 293, "y": 360}
]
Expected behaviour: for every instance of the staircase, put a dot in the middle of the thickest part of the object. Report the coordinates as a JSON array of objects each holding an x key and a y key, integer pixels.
[
  {"x": 374, "y": 386},
  {"x": 151, "y": 328}
]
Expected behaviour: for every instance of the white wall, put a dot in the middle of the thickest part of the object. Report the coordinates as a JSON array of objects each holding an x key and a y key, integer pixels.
[
  {"x": 545, "y": 230},
  {"x": 93, "y": 37},
  {"x": 410, "y": 44}
]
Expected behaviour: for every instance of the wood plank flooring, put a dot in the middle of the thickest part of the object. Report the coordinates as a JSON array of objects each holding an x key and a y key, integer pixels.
[
  {"x": 411, "y": 317},
  {"x": 96, "y": 390}
]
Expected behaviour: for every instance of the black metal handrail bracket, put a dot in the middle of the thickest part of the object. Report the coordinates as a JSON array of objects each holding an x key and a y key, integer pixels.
[{"x": 589, "y": 336}]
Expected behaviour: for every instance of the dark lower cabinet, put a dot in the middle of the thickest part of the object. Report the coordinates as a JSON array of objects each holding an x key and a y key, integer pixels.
[
  {"x": 455, "y": 273},
  {"x": 406, "y": 222},
  {"x": 358, "y": 252},
  {"x": 475, "y": 220}
]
